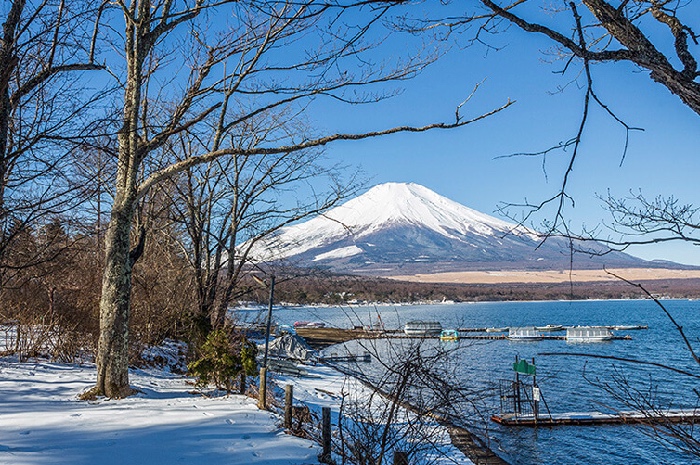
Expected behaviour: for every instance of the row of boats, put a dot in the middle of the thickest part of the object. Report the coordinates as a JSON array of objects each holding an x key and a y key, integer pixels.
[
  {"x": 418, "y": 328},
  {"x": 552, "y": 328},
  {"x": 573, "y": 333}
]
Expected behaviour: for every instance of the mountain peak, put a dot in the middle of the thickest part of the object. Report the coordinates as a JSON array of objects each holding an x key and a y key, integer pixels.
[
  {"x": 409, "y": 203},
  {"x": 406, "y": 225}
]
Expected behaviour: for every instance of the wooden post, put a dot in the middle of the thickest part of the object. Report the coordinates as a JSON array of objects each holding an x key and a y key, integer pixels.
[
  {"x": 535, "y": 394},
  {"x": 242, "y": 383},
  {"x": 518, "y": 405},
  {"x": 400, "y": 457},
  {"x": 325, "y": 435},
  {"x": 262, "y": 392},
  {"x": 288, "y": 396}
]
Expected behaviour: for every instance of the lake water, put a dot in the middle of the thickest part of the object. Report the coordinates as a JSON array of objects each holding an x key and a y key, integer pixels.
[{"x": 568, "y": 383}]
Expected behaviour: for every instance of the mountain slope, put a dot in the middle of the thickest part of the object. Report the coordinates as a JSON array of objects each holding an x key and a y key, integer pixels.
[{"x": 410, "y": 228}]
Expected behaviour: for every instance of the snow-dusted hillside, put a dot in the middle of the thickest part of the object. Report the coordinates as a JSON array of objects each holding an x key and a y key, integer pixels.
[{"x": 409, "y": 226}]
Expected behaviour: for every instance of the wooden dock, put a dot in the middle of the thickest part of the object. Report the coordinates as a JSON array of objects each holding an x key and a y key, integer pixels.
[
  {"x": 320, "y": 338},
  {"x": 598, "y": 418}
]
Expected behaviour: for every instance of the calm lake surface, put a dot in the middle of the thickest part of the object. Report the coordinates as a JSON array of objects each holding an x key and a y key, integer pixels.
[{"x": 561, "y": 378}]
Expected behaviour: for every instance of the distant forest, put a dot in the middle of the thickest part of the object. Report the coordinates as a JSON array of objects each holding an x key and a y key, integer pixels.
[{"x": 337, "y": 289}]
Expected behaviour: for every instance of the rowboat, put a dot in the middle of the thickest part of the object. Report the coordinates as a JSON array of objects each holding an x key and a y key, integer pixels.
[{"x": 550, "y": 328}]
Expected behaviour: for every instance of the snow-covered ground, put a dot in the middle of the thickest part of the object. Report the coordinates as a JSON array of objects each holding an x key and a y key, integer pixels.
[{"x": 43, "y": 422}]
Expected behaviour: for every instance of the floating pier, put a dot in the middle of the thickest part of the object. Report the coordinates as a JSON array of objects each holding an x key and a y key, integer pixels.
[
  {"x": 320, "y": 338},
  {"x": 598, "y": 418}
]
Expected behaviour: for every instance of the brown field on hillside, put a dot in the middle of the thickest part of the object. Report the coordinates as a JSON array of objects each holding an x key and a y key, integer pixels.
[{"x": 549, "y": 277}]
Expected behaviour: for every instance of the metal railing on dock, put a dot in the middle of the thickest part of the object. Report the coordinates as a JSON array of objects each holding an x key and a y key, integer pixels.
[{"x": 598, "y": 418}]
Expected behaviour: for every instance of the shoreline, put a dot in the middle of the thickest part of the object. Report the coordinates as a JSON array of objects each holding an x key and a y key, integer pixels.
[
  {"x": 470, "y": 444},
  {"x": 467, "y": 442},
  {"x": 327, "y": 386}
]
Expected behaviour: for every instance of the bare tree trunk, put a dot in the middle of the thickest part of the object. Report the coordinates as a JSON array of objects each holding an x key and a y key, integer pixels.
[
  {"x": 8, "y": 59},
  {"x": 113, "y": 346},
  {"x": 115, "y": 303}
]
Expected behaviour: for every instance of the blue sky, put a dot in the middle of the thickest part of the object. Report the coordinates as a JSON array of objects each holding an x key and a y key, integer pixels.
[{"x": 463, "y": 164}]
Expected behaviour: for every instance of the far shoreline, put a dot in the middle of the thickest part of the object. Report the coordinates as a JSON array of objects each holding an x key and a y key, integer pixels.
[
  {"x": 548, "y": 276},
  {"x": 326, "y": 289}
]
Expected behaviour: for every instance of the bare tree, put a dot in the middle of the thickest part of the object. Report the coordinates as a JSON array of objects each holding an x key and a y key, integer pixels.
[
  {"x": 226, "y": 206},
  {"x": 658, "y": 37},
  {"x": 186, "y": 64},
  {"x": 640, "y": 221},
  {"x": 411, "y": 387},
  {"x": 595, "y": 31},
  {"x": 44, "y": 47},
  {"x": 51, "y": 304},
  {"x": 163, "y": 292}
]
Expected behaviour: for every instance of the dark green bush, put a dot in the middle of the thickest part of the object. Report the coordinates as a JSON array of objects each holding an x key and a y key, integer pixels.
[{"x": 223, "y": 357}]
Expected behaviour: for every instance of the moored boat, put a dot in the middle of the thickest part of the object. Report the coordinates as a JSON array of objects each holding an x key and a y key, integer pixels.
[
  {"x": 588, "y": 334},
  {"x": 497, "y": 329},
  {"x": 550, "y": 328},
  {"x": 524, "y": 333},
  {"x": 449, "y": 335},
  {"x": 309, "y": 324},
  {"x": 422, "y": 328},
  {"x": 628, "y": 327}
]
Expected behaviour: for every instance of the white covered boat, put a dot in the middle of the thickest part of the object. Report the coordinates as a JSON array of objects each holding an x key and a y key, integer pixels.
[
  {"x": 588, "y": 334},
  {"x": 524, "y": 333},
  {"x": 497, "y": 329},
  {"x": 422, "y": 328},
  {"x": 550, "y": 328}
]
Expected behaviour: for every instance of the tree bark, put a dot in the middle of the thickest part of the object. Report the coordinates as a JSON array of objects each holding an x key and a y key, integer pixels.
[
  {"x": 9, "y": 61},
  {"x": 113, "y": 345}
]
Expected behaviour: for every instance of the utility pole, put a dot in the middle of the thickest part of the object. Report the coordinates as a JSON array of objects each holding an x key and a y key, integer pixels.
[
  {"x": 262, "y": 397},
  {"x": 269, "y": 318},
  {"x": 535, "y": 394}
]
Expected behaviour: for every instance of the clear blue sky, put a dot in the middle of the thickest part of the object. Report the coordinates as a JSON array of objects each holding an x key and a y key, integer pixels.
[{"x": 462, "y": 164}]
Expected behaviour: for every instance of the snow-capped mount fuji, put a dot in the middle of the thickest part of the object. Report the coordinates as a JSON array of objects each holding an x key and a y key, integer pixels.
[{"x": 408, "y": 227}]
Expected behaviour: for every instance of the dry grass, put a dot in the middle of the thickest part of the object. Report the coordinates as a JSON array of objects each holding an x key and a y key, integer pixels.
[{"x": 548, "y": 277}]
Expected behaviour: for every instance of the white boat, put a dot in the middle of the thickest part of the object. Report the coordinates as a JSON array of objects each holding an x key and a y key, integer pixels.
[
  {"x": 588, "y": 334},
  {"x": 628, "y": 327},
  {"x": 309, "y": 324},
  {"x": 497, "y": 330},
  {"x": 422, "y": 328},
  {"x": 524, "y": 333},
  {"x": 550, "y": 328}
]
